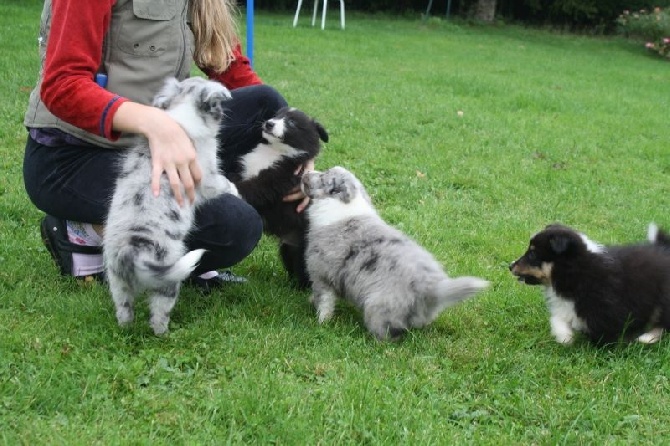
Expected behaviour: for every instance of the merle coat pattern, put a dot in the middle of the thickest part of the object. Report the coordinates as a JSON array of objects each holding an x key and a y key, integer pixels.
[
  {"x": 609, "y": 293},
  {"x": 352, "y": 253},
  {"x": 143, "y": 243},
  {"x": 268, "y": 173}
]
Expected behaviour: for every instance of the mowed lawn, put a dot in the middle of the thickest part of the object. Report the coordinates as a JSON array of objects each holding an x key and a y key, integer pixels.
[{"x": 469, "y": 139}]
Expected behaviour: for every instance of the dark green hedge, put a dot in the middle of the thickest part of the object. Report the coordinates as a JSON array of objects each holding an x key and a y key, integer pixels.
[{"x": 574, "y": 14}]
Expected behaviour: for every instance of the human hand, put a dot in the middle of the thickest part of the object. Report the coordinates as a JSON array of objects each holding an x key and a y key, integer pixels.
[
  {"x": 296, "y": 193},
  {"x": 172, "y": 152}
]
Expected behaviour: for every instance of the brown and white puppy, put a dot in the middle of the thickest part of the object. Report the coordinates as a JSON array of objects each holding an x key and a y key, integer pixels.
[{"x": 609, "y": 293}]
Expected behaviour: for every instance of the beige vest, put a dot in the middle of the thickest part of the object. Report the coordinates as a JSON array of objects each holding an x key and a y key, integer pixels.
[{"x": 148, "y": 40}]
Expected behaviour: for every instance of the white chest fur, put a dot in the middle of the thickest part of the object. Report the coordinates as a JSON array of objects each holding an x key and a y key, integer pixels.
[
  {"x": 328, "y": 211},
  {"x": 564, "y": 320},
  {"x": 264, "y": 156}
]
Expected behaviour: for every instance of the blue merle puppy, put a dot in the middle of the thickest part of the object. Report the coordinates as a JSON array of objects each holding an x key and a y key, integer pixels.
[
  {"x": 143, "y": 244},
  {"x": 353, "y": 254}
]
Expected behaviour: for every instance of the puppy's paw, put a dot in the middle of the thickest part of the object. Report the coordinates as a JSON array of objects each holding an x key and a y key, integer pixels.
[
  {"x": 124, "y": 316},
  {"x": 562, "y": 331},
  {"x": 564, "y": 338},
  {"x": 324, "y": 313},
  {"x": 390, "y": 333},
  {"x": 213, "y": 100},
  {"x": 159, "y": 324},
  {"x": 651, "y": 337},
  {"x": 324, "y": 302}
]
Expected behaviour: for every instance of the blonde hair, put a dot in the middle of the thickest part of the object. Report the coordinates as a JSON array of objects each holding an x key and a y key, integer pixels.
[{"x": 215, "y": 30}]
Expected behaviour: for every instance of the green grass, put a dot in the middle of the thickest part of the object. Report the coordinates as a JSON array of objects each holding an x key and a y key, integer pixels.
[{"x": 553, "y": 128}]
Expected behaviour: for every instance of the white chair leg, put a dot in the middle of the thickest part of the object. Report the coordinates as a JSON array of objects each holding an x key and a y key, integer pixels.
[
  {"x": 323, "y": 16},
  {"x": 316, "y": 5},
  {"x": 297, "y": 11},
  {"x": 342, "y": 13}
]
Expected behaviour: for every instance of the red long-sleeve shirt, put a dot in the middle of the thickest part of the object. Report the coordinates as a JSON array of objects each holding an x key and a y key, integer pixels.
[{"x": 73, "y": 55}]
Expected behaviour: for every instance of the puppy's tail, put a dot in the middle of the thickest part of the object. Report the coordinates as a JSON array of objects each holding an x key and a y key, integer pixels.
[
  {"x": 155, "y": 274},
  {"x": 451, "y": 291},
  {"x": 657, "y": 236}
]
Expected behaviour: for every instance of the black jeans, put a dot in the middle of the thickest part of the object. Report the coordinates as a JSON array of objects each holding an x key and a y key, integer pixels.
[{"x": 77, "y": 182}]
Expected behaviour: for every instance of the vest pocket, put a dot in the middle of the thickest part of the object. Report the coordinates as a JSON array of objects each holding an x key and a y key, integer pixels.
[
  {"x": 153, "y": 31},
  {"x": 155, "y": 9}
]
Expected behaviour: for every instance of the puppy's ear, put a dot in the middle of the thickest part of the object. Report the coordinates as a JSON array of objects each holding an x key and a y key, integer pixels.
[
  {"x": 560, "y": 243},
  {"x": 343, "y": 189},
  {"x": 323, "y": 134},
  {"x": 170, "y": 90},
  {"x": 212, "y": 101},
  {"x": 347, "y": 187}
]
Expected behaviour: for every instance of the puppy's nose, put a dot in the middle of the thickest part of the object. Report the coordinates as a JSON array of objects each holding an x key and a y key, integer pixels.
[
  {"x": 511, "y": 265},
  {"x": 268, "y": 126}
]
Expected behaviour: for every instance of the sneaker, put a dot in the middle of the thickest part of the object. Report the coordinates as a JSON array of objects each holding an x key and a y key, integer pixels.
[
  {"x": 54, "y": 237},
  {"x": 206, "y": 286}
]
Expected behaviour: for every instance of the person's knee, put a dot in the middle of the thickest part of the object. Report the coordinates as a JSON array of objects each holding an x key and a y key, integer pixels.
[
  {"x": 270, "y": 98},
  {"x": 243, "y": 228},
  {"x": 250, "y": 232},
  {"x": 229, "y": 229},
  {"x": 261, "y": 99}
]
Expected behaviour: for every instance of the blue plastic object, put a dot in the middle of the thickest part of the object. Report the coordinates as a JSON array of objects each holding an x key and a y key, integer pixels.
[
  {"x": 250, "y": 31},
  {"x": 101, "y": 79}
]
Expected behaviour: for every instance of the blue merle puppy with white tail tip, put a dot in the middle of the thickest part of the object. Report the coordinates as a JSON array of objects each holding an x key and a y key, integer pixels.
[
  {"x": 144, "y": 242},
  {"x": 353, "y": 254}
]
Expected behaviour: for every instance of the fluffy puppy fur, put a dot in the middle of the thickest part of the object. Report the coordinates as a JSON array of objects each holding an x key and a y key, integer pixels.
[
  {"x": 352, "y": 253},
  {"x": 609, "y": 293},
  {"x": 267, "y": 173},
  {"x": 143, "y": 244}
]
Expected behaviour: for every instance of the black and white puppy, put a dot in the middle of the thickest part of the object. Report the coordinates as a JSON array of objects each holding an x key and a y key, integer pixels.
[
  {"x": 609, "y": 293},
  {"x": 270, "y": 171},
  {"x": 353, "y": 254},
  {"x": 143, "y": 243}
]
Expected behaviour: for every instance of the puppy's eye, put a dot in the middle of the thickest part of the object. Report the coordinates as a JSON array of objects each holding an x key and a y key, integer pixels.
[
  {"x": 532, "y": 256},
  {"x": 290, "y": 123}
]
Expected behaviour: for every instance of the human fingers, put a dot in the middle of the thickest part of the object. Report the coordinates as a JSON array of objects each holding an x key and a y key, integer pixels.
[
  {"x": 307, "y": 166},
  {"x": 294, "y": 194},
  {"x": 303, "y": 205},
  {"x": 175, "y": 184},
  {"x": 196, "y": 172},
  {"x": 156, "y": 172},
  {"x": 187, "y": 181}
]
